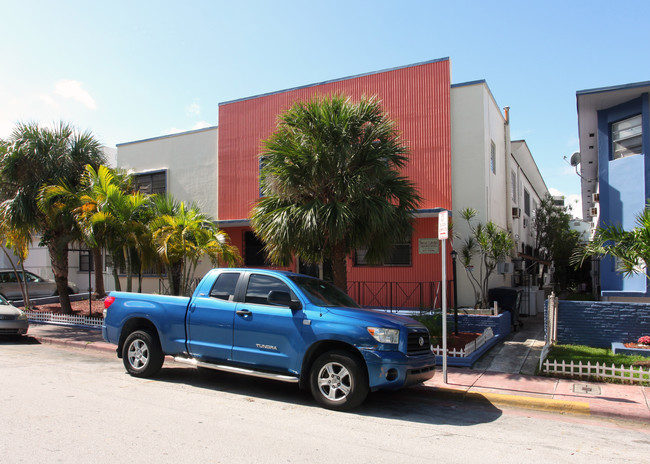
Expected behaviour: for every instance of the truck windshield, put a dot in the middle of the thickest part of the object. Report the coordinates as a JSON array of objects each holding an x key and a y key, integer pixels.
[{"x": 322, "y": 293}]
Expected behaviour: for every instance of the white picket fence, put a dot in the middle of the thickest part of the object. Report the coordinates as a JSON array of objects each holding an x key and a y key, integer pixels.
[
  {"x": 599, "y": 371},
  {"x": 469, "y": 348},
  {"x": 66, "y": 319}
]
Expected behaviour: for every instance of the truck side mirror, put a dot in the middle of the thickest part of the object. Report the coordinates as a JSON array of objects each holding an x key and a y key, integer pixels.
[{"x": 277, "y": 297}]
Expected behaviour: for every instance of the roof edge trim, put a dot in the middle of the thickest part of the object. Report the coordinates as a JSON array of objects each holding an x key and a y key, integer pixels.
[{"x": 438, "y": 60}]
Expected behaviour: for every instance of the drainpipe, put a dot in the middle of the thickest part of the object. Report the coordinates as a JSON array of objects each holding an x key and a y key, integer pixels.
[{"x": 508, "y": 157}]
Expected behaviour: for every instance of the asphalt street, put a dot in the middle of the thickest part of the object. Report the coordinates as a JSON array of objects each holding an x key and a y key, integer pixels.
[{"x": 63, "y": 405}]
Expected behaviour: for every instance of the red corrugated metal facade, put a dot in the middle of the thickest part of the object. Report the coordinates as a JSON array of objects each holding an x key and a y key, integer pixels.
[{"x": 416, "y": 97}]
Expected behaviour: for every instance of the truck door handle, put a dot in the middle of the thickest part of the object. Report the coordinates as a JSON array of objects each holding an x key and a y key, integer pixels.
[{"x": 243, "y": 312}]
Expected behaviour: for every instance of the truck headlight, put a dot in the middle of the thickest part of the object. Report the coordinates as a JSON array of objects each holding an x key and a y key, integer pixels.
[
  {"x": 22, "y": 316},
  {"x": 384, "y": 335}
]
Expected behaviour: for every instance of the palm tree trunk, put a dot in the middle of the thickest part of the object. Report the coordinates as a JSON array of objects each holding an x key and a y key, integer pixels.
[
  {"x": 176, "y": 271},
  {"x": 26, "y": 303},
  {"x": 59, "y": 260},
  {"x": 116, "y": 279},
  {"x": 100, "y": 292},
  {"x": 129, "y": 271}
]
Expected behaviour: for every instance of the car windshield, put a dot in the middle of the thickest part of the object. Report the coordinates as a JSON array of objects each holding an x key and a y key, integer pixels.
[{"x": 322, "y": 293}]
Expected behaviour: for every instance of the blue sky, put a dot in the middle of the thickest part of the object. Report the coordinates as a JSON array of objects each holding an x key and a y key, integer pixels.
[{"x": 140, "y": 69}]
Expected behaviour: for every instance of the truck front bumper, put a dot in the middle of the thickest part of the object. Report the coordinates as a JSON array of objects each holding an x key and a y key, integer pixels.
[{"x": 392, "y": 370}]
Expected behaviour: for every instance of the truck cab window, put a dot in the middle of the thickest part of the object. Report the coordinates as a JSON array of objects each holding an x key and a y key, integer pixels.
[
  {"x": 259, "y": 287},
  {"x": 224, "y": 286}
]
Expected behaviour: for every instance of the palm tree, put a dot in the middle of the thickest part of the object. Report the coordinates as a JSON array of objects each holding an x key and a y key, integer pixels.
[
  {"x": 182, "y": 236},
  {"x": 34, "y": 157},
  {"x": 630, "y": 248},
  {"x": 89, "y": 203},
  {"x": 332, "y": 184}
]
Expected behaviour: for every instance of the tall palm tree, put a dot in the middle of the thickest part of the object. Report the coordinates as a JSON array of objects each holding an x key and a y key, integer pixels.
[
  {"x": 89, "y": 203},
  {"x": 182, "y": 236},
  {"x": 36, "y": 156},
  {"x": 332, "y": 183}
]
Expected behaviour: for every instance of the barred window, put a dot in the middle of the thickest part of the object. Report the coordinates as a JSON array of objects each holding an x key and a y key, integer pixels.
[
  {"x": 400, "y": 255},
  {"x": 151, "y": 182}
]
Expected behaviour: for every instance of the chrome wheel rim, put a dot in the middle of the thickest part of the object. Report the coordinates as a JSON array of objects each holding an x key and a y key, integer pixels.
[
  {"x": 334, "y": 381},
  {"x": 138, "y": 354}
]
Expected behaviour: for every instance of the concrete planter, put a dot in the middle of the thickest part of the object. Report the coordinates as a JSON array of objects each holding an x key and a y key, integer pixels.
[
  {"x": 619, "y": 348},
  {"x": 500, "y": 326}
]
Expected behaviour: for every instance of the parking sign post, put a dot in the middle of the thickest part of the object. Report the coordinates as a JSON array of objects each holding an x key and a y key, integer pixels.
[{"x": 443, "y": 235}]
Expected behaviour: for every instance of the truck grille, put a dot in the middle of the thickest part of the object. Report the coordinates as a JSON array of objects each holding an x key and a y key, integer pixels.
[{"x": 418, "y": 341}]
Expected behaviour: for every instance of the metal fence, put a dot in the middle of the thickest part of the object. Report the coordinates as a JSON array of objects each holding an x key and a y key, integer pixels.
[{"x": 396, "y": 296}]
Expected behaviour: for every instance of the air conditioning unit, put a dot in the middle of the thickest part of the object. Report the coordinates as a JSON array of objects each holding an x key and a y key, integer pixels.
[
  {"x": 595, "y": 197},
  {"x": 593, "y": 211},
  {"x": 505, "y": 268},
  {"x": 516, "y": 212},
  {"x": 525, "y": 222}
]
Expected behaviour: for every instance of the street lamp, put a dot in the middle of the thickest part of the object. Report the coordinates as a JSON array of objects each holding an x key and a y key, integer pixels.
[{"x": 454, "y": 255}]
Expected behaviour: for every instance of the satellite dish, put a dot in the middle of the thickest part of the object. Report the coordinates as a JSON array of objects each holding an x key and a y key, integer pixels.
[{"x": 575, "y": 159}]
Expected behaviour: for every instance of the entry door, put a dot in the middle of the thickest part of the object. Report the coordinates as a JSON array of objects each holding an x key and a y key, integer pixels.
[
  {"x": 267, "y": 336},
  {"x": 210, "y": 320}
]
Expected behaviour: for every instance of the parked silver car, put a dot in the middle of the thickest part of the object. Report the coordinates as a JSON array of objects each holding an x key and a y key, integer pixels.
[
  {"x": 37, "y": 286},
  {"x": 13, "y": 321}
]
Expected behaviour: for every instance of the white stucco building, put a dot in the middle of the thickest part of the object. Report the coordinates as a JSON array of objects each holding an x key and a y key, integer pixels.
[{"x": 491, "y": 174}]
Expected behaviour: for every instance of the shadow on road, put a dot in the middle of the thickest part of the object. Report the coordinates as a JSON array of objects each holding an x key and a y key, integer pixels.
[
  {"x": 18, "y": 340},
  {"x": 414, "y": 404}
]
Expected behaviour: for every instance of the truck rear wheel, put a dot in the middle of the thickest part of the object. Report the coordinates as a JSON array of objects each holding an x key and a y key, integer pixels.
[
  {"x": 141, "y": 354},
  {"x": 338, "y": 381}
]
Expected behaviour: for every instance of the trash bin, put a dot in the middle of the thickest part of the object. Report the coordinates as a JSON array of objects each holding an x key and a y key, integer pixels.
[{"x": 508, "y": 299}]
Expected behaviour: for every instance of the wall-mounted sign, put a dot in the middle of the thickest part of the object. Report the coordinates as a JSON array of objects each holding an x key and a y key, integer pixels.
[{"x": 428, "y": 246}]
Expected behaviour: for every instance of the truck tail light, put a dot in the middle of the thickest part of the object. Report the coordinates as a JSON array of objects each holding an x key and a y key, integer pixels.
[{"x": 107, "y": 302}]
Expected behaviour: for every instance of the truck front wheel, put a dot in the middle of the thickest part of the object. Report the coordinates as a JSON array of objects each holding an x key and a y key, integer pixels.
[
  {"x": 141, "y": 354},
  {"x": 338, "y": 381}
]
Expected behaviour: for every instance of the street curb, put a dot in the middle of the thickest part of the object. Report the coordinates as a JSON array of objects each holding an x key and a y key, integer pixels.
[
  {"x": 104, "y": 347},
  {"x": 578, "y": 408},
  {"x": 525, "y": 402}
]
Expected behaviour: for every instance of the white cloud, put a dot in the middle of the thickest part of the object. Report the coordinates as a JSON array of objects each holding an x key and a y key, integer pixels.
[
  {"x": 47, "y": 99},
  {"x": 194, "y": 108},
  {"x": 73, "y": 89},
  {"x": 201, "y": 125},
  {"x": 197, "y": 126}
]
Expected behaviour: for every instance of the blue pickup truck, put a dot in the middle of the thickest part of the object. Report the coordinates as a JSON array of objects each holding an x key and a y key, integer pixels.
[{"x": 272, "y": 324}]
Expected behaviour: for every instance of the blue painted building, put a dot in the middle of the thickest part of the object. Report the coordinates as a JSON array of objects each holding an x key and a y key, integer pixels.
[{"x": 614, "y": 130}]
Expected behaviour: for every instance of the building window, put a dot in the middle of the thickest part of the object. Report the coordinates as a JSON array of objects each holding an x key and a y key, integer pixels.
[
  {"x": 151, "y": 182},
  {"x": 526, "y": 202},
  {"x": 493, "y": 158},
  {"x": 513, "y": 185},
  {"x": 254, "y": 254},
  {"x": 400, "y": 255},
  {"x": 627, "y": 137},
  {"x": 85, "y": 261}
]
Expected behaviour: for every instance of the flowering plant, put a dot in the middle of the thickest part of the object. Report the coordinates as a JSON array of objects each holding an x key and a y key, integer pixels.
[{"x": 645, "y": 340}]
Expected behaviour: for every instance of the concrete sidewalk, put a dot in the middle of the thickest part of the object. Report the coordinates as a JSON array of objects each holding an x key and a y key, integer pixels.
[{"x": 626, "y": 402}]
